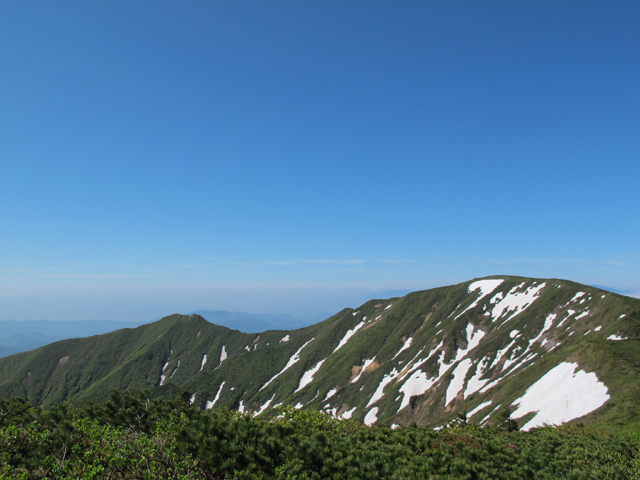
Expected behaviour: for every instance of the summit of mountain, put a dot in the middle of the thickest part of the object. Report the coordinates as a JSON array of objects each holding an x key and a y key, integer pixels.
[{"x": 547, "y": 350}]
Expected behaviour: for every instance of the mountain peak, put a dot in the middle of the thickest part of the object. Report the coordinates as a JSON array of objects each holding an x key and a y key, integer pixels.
[{"x": 549, "y": 350}]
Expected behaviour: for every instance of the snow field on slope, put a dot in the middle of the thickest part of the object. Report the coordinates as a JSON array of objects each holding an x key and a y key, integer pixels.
[
  {"x": 562, "y": 394},
  {"x": 364, "y": 367},
  {"x": 615, "y": 337},
  {"x": 265, "y": 405},
  {"x": 294, "y": 359},
  {"x": 223, "y": 354},
  {"x": 480, "y": 407},
  {"x": 217, "y": 397},
  {"x": 348, "y": 413},
  {"x": 371, "y": 417},
  {"x": 457, "y": 382},
  {"x": 204, "y": 360},
  {"x": 330, "y": 394},
  {"x": 348, "y": 335},
  {"x": 516, "y": 302},
  {"x": 406, "y": 345},
  {"x": 418, "y": 383},
  {"x": 307, "y": 377},
  {"x": 485, "y": 286},
  {"x": 475, "y": 383},
  {"x": 378, "y": 394}
]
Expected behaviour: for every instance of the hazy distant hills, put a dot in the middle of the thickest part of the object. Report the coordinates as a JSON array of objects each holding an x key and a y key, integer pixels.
[
  {"x": 24, "y": 335},
  {"x": 253, "y": 322},
  {"x": 551, "y": 350}
]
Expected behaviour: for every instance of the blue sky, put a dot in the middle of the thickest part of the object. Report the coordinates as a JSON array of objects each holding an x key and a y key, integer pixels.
[{"x": 294, "y": 156}]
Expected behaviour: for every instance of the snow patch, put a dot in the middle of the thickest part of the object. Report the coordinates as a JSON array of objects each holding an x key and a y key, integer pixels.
[
  {"x": 561, "y": 395},
  {"x": 294, "y": 359},
  {"x": 371, "y": 417},
  {"x": 217, "y": 397},
  {"x": 418, "y": 383},
  {"x": 388, "y": 306},
  {"x": 406, "y": 345},
  {"x": 582, "y": 315},
  {"x": 330, "y": 394},
  {"x": 307, "y": 377},
  {"x": 457, "y": 382},
  {"x": 377, "y": 395},
  {"x": 480, "y": 407},
  {"x": 241, "y": 407},
  {"x": 364, "y": 367},
  {"x": 475, "y": 383},
  {"x": 515, "y": 301},
  {"x": 266, "y": 405},
  {"x": 615, "y": 337},
  {"x": 204, "y": 360},
  {"x": 348, "y": 335},
  {"x": 348, "y": 414},
  {"x": 286, "y": 338},
  {"x": 223, "y": 354},
  {"x": 485, "y": 287}
]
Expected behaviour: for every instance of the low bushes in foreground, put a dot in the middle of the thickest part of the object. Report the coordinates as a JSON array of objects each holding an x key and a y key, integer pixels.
[{"x": 134, "y": 437}]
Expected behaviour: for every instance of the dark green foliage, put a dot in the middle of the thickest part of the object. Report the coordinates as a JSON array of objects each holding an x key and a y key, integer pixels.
[{"x": 132, "y": 436}]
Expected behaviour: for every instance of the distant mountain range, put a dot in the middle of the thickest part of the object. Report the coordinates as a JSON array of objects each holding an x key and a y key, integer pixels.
[
  {"x": 549, "y": 350},
  {"x": 23, "y": 335}
]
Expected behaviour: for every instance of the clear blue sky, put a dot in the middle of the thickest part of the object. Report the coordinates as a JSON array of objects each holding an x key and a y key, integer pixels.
[{"x": 290, "y": 156}]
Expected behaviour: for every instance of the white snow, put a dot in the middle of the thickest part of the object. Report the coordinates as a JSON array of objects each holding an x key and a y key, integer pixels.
[
  {"x": 406, "y": 345},
  {"x": 298, "y": 406},
  {"x": 377, "y": 395},
  {"x": 615, "y": 337},
  {"x": 418, "y": 383},
  {"x": 419, "y": 363},
  {"x": 294, "y": 359},
  {"x": 223, "y": 354},
  {"x": 163, "y": 377},
  {"x": 485, "y": 287},
  {"x": 348, "y": 335},
  {"x": 355, "y": 313},
  {"x": 217, "y": 397},
  {"x": 515, "y": 301},
  {"x": 576, "y": 296},
  {"x": 348, "y": 414},
  {"x": 192, "y": 399},
  {"x": 457, "y": 382},
  {"x": 622, "y": 316},
  {"x": 246, "y": 347},
  {"x": 364, "y": 367},
  {"x": 330, "y": 394},
  {"x": 569, "y": 313},
  {"x": 175, "y": 370},
  {"x": 597, "y": 329},
  {"x": 388, "y": 306},
  {"x": 562, "y": 394},
  {"x": 307, "y": 377},
  {"x": 475, "y": 383},
  {"x": 582, "y": 315},
  {"x": 241, "y": 407},
  {"x": 265, "y": 406},
  {"x": 204, "y": 360},
  {"x": 286, "y": 338},
  {"x": 371, "y": 417},
  {"x": 478, "y": 408}
]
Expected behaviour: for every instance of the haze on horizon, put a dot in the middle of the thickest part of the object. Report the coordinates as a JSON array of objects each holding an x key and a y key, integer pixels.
[{"x": 294, "y": 158}]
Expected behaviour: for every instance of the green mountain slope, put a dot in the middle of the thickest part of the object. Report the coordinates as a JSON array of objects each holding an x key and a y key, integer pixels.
[{"x": 549, "y": 350}]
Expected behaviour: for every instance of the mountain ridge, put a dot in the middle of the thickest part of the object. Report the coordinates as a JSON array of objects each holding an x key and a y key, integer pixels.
[{"x": 474, "y": 348}]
